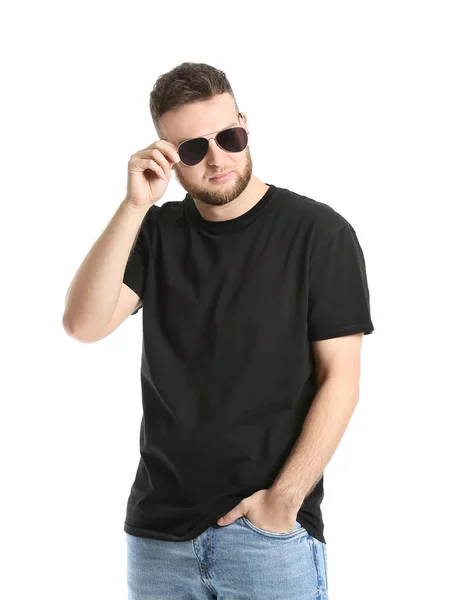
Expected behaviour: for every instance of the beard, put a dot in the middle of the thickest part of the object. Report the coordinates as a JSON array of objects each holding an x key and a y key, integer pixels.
[{"x": 219, "y": 194}]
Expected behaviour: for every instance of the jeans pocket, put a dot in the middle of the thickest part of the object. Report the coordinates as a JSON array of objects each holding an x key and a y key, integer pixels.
[{"x": 297, "y": 529}]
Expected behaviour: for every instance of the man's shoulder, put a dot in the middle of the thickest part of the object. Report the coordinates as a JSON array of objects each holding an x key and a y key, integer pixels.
[
  {"x": 167, "y": 211},
  {"x": 168, "y": 206},
  {"x": 320, "y": 216}
]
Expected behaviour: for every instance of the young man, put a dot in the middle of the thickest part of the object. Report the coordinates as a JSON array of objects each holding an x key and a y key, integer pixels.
[{"x": 255, "y": 301}]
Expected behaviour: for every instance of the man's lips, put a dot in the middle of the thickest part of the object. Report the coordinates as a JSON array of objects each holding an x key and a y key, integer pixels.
[{"x": 220, "y": 174}]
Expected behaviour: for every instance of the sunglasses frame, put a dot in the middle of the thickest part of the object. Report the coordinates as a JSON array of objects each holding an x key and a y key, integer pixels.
[{"x": 209, "y": 137}]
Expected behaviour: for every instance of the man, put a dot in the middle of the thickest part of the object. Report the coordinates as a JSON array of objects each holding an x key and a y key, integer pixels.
[{"x": 255, "y": 301}]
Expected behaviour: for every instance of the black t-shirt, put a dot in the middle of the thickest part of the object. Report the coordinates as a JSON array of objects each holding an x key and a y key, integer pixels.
[{"x": 230, "y": 309}]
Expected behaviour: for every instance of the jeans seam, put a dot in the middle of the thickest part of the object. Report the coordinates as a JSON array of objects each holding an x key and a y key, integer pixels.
[{"x": 325, "y": 565}]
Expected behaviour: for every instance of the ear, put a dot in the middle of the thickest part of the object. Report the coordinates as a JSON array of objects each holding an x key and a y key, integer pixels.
[{"x": 243, "y": 117}]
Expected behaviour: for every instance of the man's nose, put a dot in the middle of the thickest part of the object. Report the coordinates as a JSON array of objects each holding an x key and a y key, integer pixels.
[{"x": 214, "y": 150}]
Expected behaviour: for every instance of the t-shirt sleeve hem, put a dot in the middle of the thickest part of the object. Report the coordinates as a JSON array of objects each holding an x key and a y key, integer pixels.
[
  {"x": 366, "y": 328},
  {"x": 133, "y": 283}
]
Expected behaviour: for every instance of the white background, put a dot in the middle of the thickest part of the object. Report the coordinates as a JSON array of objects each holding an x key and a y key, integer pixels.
[{"x": 347, "y": 103}]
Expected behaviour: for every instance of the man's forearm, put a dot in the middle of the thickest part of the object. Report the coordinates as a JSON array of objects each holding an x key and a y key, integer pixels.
[{"x": 324, "y": 426}]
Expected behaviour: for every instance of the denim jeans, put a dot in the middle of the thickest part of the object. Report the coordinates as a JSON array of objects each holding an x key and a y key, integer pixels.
[{"x": 231, "y": 562}]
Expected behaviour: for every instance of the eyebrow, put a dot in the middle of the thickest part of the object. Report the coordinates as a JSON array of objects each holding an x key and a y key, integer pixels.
[{"x": 197, "y": 136}]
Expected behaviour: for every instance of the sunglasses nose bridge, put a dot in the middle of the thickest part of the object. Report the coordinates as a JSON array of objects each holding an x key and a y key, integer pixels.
[{"x": 211, "y": 138}]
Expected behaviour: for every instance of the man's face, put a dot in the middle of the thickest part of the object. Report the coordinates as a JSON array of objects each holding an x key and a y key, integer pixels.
[{"x": 200, "y": 119}]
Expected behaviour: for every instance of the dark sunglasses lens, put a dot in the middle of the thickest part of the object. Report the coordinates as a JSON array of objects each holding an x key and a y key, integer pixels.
[
  {"x": 233, "y": 140},
  {"x": 193, "y": 151}
]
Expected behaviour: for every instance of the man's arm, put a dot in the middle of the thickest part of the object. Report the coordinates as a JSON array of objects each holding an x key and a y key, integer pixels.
[{"x": 337, "y": 372}]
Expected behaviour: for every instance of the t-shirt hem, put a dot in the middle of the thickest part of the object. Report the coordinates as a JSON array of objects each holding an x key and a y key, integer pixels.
[{"x": 157, "y": 535}]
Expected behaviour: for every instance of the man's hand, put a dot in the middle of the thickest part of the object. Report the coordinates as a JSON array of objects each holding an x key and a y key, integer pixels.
[{"x": 267, "y": 510}]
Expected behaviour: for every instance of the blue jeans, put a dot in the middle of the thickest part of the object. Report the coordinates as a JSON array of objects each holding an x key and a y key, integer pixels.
[{"x": 232, "y": 562}]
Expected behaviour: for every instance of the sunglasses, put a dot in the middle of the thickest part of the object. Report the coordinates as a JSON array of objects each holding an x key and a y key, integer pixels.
[{"x": 193, "y": 151}]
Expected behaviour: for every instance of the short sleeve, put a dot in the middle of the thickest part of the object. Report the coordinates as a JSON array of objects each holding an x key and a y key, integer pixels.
[
  {"x": 137, "y": 265},
  {"x": 338, "y": 295}
]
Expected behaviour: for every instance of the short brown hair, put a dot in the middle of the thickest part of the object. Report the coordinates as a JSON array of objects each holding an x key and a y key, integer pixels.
[{"x": 187, "y": 83}]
